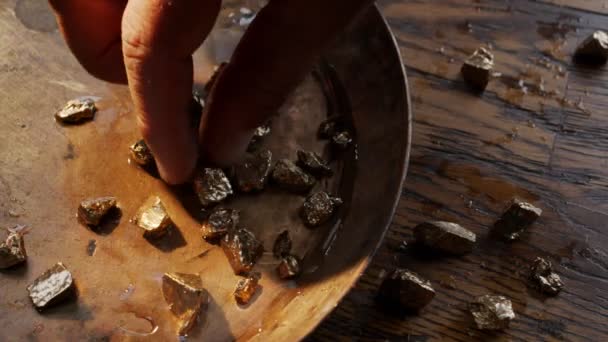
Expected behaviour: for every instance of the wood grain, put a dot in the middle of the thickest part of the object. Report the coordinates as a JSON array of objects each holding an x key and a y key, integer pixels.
[{"x": 538, "y": 132}]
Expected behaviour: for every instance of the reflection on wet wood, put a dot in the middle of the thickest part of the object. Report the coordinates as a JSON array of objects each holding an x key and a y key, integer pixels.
[{"x": 538, "y": 132}]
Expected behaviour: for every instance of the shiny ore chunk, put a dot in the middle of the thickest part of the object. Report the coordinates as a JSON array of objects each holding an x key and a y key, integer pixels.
[
  {"x": 594, "y": 49},
  {"x": 518, "y": 216},
  {"x": 242, "y": 249},
  {"x": 342, "y": 140},
  {"x": 211, "y": 186},
  {"x": 77, "y": 111},
  {"x": 51, "y": 287},
  {"x": 252, "y": 174},
  {"x": 313, "y": 163},
  {"x": 12, "y": 250},
  {"x": 318, "y": 208},
  {"x": 289, "y": 176},
  {"x": 141, "y": 154},
  {"x": 492, "y": 312},
  {"x": 91, "y": 211},
  {"x": 543, "y": 277},
  {"x": 446, "y": 237},
  {"x": 246, "y": 288},
  {"x": 219, "y": 223},
  {"x": 153, "y": 218},
  {"x": 477, "y": 68},
  {"x": 289, "y": 267},
  {"x": 185, "y": 295},
  {"x": 406, "y": 289}
]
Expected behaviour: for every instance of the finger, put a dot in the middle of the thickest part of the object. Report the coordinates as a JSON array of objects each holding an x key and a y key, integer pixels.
[
  {"x": 92, "y": 31},
  {"x": 277, "y": 51},
  {"x": 158, "y": 39}
]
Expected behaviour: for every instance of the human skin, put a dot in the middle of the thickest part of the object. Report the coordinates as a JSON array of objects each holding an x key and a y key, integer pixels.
[{"x": 148, "y": 44}]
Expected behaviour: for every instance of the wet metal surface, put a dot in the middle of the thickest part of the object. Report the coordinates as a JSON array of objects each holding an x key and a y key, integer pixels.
[{"x": 282, "y": 310}]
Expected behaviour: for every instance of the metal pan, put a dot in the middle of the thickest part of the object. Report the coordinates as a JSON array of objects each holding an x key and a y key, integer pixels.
[{"x": 47, "y": 169}]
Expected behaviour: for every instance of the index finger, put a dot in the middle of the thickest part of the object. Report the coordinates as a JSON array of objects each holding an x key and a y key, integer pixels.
[{"x": 158, "y": 39}]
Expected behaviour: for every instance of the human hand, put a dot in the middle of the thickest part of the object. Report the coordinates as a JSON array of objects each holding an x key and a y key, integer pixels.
[{"x": 149, "y": 45}]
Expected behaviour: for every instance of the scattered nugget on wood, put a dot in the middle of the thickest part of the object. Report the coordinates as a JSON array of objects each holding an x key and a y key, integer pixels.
[
  {"x": 318, "y": 208},
  {"x": 211, "y": 186},
  {"x": 51, "y": 287},
  {"x": 282, "y": 245},
  {"x": 342, "y": 140},
  {"x": 153, "y": 218},
  {"x": 91, "y": 211},
  {"x": 252, "y": 174},
  {"x": 446, "y": 237},
  {"x": 291, "y": 177},
  {"x": 314, "y": 164},
  {"x": 246, "y": 288},
  {"x": 289, "y": 267},
  {"x": 594, "y": 49},
  {"x": 12, "y": 250},
  {"x": 77, "y": 111},
  {"x": 242, "y": 249},
  {"x": 514, "y": 221},
  {"x": 140, "y": 153},
  {"x": 219, "y": 223},
  {"x": 544, "y": 279},
  {"x": 405, "y": 289},
  {"x": 492, "y": 312},
  {"x": 185, "y": 295},
  {"x": 477, "y": 68}
]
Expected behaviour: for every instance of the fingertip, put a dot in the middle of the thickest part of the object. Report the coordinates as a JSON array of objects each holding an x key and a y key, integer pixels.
[
  {"x": 174, "y": 175},
  {"x": 175, "y": 154}
]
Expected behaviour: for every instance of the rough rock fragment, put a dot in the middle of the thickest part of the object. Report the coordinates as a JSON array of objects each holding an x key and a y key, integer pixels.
[
  {"x": 492, "y": 312},
  {"x": 518, "y": 216},
  {"x": 12, "y": 250},
  {"x": 289, "y": 176},
  {"x": 342, "y": 140},
  {"x": 141, "y": 154},
  {"x": 252, "y": 174},
  {"x": 314, "y": 164},
  {"x": 92, "y": 211},
  {"x": 477, "y": 68},
  {"x": 153, "y": 218},
  {"x": 282, "y": 245},
  {"x": 211, "y": 186},
  {"x": 219, "y": 223},
  {"x": 318, "y": 208},
  {"x": 258, "y": 134},
  {"x": 544, "y": 279},
  {"x": 594, "y": 49},
  {"x": 242, "y": 249},
  {"x": 446, "y": 237},
  {"x": 77, "y": 111},
  {"x": 406, "y": 290},
  {"x": 246, "y": 288},
  {"x": 185, "y": 295},
  {"x": 51, "y": 287},
  {"x": 289, "y": 267}
]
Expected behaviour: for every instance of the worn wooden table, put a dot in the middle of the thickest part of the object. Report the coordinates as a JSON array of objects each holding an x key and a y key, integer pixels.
[{"x": 538, "y": 132}]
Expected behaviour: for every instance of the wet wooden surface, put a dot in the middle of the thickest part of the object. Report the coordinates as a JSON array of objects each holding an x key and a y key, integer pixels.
[{"x": 538, "y": 132}]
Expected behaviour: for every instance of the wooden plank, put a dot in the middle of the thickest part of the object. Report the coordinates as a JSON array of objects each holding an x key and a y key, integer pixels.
[{"x": 538, "y": 132}]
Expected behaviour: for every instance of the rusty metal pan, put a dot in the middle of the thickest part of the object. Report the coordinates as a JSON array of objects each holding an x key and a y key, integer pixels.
[{"x": 47, "y": 169}]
